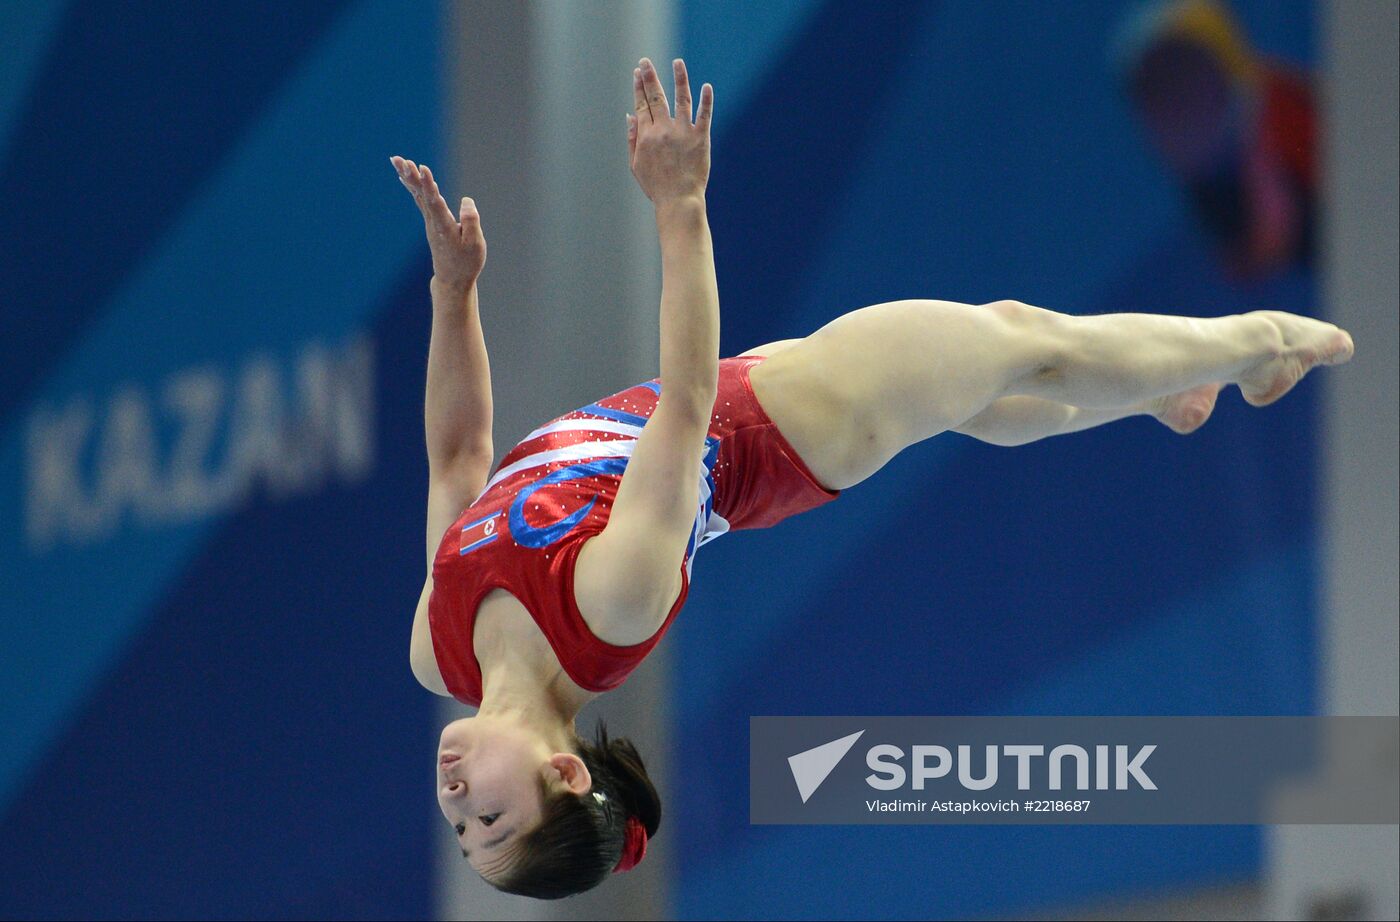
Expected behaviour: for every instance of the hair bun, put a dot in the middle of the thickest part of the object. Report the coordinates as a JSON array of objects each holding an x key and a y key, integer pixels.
[{"x": 630, "y": 784}]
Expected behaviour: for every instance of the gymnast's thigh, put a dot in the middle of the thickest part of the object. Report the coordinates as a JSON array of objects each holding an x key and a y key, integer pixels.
[{"x": 815, "y": 413}]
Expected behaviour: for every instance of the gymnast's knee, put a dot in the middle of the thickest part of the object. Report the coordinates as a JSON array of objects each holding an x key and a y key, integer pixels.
[
  {"x": 1044, "y": 339},
  {"x": 1022, "y": 315}
]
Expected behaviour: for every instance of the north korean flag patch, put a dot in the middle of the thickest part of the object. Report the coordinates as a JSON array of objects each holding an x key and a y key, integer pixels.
[{"x": 478, "y": 534}]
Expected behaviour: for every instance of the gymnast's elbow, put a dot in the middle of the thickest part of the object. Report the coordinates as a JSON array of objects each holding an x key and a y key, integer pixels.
[{"x": 693, "y": 401}]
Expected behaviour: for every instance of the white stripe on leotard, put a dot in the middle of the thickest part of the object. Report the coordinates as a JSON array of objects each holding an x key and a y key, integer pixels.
[
  {"x": 617, "y": 448},
  {"x": 596, "y": 425}
]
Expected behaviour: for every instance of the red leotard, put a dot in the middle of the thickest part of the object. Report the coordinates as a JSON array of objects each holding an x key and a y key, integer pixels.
[{"x": 554, "y": 490}]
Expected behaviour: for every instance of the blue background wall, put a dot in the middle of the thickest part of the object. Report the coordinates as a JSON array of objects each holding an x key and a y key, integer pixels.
[
  {"x": 207, "y": 703},
  {"x": 975, "y": 152}
]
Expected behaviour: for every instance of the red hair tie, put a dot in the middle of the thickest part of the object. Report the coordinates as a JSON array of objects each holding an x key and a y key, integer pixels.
[{"x": 634, "y": 845}]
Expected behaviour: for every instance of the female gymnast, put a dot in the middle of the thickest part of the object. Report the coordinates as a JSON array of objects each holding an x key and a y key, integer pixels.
[{"x": 552, "y": 576}]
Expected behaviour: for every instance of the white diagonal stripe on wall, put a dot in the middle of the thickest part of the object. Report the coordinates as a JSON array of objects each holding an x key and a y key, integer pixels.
[{"x": 196, "y": 289}]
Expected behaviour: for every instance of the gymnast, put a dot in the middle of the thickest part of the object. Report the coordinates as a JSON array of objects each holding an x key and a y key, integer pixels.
[{"x": 552, "y": 575}]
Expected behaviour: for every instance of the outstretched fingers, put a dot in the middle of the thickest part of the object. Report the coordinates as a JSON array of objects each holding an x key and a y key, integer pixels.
[
  {"x": 657, "y": 106},
  {"x": 435, "y": 208},
  {"x": 707, "y": 107},
  {"x": 419, "y": 181},
  {"x": 639, "y": 93},
  {"x": 649, "y": 97},
  {"x": 683, "y": 111},
  {"x": 468, "y": 214}
]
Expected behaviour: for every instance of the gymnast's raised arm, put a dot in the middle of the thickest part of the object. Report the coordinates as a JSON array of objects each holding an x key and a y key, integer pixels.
[
  {"x": 670, "y": 159},
  {"x": 654, "y": 512},
  {"x": 457, "y": 402}
]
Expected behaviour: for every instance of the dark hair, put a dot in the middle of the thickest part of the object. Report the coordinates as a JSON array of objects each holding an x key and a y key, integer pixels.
[{"x": 579, "y": 839}]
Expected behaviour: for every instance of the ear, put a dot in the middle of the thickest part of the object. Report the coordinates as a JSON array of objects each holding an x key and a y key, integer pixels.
[{"x": 570, "y": 768}]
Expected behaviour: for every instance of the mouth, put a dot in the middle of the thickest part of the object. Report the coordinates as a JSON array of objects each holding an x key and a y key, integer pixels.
[{"x": 447, "y": 758}]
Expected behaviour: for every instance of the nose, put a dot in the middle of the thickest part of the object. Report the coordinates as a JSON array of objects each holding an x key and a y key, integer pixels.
[{"x": 456, "y": 788}]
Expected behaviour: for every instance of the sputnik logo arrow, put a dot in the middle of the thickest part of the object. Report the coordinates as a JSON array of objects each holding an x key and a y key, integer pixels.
[{"x": 810, "y": 767}]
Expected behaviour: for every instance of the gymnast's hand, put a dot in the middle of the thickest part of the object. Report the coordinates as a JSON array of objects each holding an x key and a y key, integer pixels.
[
  {"x": 670, "y": 155},
  {"x": 457, "y": 244}
]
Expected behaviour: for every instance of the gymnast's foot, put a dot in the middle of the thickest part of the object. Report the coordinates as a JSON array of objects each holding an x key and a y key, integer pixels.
[
  {"x": 1187, "y": 411},
  {"x": 1305, "y": 343}
]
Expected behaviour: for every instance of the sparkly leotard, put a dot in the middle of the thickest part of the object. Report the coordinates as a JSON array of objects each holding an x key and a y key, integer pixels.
[{"x": 554, "y": 490}]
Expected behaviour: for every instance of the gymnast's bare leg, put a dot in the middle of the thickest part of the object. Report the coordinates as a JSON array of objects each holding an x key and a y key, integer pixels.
[
  {"x": 1021, "y": 420},
  {"x": 870, "y": 383}
]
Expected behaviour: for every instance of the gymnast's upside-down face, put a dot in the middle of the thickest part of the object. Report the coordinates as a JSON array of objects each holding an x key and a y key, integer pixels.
[{"x": 491, "y": 777}]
